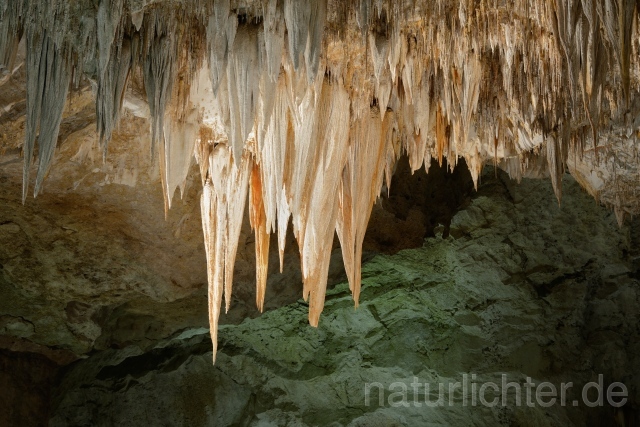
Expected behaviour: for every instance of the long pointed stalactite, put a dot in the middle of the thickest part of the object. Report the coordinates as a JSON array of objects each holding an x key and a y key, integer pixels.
[{"x": 311, "y": 102}]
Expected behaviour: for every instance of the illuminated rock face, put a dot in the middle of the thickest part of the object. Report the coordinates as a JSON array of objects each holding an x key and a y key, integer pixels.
[
  {"x": 303, "y": 107},
  {"x": 512, "y": 291}
]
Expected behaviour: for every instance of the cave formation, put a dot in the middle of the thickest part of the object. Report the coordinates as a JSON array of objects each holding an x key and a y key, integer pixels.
[{"x": 296, "y": 115}]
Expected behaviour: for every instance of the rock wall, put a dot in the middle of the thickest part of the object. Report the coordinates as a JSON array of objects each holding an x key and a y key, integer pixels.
[
  {"x": 519, "y": 287},
  {"x": 26, "y": 379}
]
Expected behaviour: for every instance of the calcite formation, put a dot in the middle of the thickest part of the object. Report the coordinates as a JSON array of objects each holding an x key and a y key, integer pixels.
[{"x": 303, "y": 107}]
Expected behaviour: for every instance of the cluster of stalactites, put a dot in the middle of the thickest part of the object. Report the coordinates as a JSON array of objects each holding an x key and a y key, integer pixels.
[{"x": 313, "y": 101}]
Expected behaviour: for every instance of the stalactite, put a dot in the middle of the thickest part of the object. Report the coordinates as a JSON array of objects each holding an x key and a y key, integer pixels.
[
  {"x": 223, "y": 202},
  {"x": 317, "y": 18},
  {"x": 556, "y": 165},
  {"x": 159, "y": 67},
  {"x": 243, "y": 78},
  {"x": 313, "y": 101},
  {"x": 11, "y": 32},
  {"x": 176, "y": 153},
  {"x": 272, "y": 156},
  {"x": 319, "y": 214},
  {"x": 297, "y": 15},
  {"x": 107, "y": 20},
  {"x": 359, "y": 189},
  {"x": 111, "y": 90},
  {"x": 274, "y": 38},
  {"x": 48, "y": 77},
  {"x": 259, "y": 224},
  {"x": 221, "y": 32},
  {"x": 303, "y": 152}
]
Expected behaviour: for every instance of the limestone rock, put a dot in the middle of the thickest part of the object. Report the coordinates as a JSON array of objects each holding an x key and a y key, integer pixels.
[{"x": 511, "y": 291}]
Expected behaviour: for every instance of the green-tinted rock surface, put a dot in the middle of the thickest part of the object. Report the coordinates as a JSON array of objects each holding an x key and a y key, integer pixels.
[{"x": 521, "y": 287}]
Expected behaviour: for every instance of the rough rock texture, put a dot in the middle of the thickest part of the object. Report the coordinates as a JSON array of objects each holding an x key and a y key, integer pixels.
[
  {"x": 316, "y": 99},
  {"x": 92, "y": 262},
  {"x": 97, "y": 239},
  {"x": 512, "y": 290}
]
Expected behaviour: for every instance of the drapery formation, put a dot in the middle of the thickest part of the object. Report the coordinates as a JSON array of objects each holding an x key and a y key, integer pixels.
[{"x": 303, "y": 107}]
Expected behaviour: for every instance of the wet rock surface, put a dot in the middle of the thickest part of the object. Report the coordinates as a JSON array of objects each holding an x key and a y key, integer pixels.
[{"x": 520, "y": 287}]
